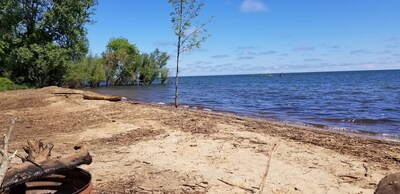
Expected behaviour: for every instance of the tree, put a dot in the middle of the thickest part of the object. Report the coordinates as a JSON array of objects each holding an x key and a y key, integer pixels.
[
  {"x": 76, "y": 75},
  {"x": 40, "y": 38},
  {"x": 121, "y": 62},
  {"x": 152, "y": 66},
  {"x": 148, "y": 70},
  {"x": 164, "y": 75},
  {"x": 161, "y": 58},
  {"x": 87, "y": 71},
  {"x": 183, "y": 14},
  {"x": 97, "y": 73}
]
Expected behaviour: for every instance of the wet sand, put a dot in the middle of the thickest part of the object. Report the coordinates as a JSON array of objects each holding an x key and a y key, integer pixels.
[{"x": 153, "y": 149}]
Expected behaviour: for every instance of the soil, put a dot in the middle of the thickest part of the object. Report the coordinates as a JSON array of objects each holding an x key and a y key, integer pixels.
[{"x": 142, "y": 148}]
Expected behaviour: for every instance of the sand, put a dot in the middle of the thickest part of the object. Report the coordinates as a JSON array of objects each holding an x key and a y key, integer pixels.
[{"x": 157, "y": 149}]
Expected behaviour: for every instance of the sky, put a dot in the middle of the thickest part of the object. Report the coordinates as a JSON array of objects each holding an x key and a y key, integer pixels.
[{"x": 261, "y": 36}]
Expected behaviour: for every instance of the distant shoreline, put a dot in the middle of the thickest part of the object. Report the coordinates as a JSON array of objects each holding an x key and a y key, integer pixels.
[{"x": 277, "y": 73}]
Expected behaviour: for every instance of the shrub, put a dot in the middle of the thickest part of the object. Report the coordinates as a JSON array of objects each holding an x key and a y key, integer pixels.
[{"x": 7, "y": 84}]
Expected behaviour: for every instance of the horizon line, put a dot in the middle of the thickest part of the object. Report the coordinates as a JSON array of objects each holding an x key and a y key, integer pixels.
[{"x": 289, "y": 72}]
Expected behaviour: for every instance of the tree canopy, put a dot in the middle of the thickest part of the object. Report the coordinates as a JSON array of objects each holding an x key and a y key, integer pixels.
[
  {"x": 88, "y": 71},
  {"x": 40, "y": 38},
  {"x": 153, "y": 66},
  {"x": 121, "y": 62},
  {"x": 43, "y": 42}
]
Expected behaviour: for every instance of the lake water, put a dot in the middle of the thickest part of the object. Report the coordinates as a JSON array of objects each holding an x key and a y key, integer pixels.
[{"x": 359, "y": 100}]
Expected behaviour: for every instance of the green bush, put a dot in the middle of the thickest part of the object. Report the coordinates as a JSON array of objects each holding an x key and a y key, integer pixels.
[{"x": 7, "y": 84}]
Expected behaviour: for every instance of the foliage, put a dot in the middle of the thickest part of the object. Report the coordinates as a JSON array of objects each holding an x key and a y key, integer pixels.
[
  {"x": 97, "y": 73},
  {"x": 183, "y": 14},
  {"x": 39, "y": 39},
  {"x": 164, "y": 75},
  {"x": 185, "y": 11},
  {"x": 77, "y": 75},
  {"x": 43, "y": 42},
  {"x": 151, "y": 67},
  {"x": 121, "y": 62},
  {"x": 161, "y": 58},
  {"x": 7, "y": 84},
  {"x": 48, "y": 64},
  {"x": 88, "y": 71},
  {"x": 148, "y": 70}
]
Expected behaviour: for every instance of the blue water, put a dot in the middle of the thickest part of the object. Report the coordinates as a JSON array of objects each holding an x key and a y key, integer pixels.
[{"x": 358, "y": 100}]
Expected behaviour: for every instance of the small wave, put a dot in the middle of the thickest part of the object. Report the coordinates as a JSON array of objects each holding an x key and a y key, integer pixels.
[
  {"x": 360, "y": 121},
  {"x": 161, "y": 103},
  {"x": 347, "y": 130},
  {"x": 390, "y": 137}
]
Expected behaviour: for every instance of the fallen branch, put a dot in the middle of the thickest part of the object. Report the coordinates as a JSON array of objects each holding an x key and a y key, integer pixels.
[
  {"x": 5, "y": 162},
  {"x": 264, "y": 179},
  {"x": 27, "y": 171},
  {"x": 66, "y": 93},
  {"x": 238, "y": 186},
  {"x": 101, "y": 97}
]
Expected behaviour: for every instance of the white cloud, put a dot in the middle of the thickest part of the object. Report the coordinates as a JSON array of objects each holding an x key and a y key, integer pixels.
[{"x": 253, "y": 6}]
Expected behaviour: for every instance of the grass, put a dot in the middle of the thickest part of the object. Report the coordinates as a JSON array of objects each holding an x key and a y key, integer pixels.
[{"x": 7, "y": 84}]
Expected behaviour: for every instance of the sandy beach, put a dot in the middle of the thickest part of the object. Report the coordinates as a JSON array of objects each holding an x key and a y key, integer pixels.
[{"x": 157, "y": 149}]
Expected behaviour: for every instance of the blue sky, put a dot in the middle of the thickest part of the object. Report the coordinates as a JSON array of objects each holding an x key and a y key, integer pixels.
[{"x": 262, "y": 36}]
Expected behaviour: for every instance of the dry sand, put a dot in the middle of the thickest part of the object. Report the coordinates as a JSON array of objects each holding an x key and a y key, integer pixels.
[{"x": 154, "y": 149}]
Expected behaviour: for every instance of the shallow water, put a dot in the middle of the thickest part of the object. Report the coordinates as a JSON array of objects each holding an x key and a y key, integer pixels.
[{"x": 358, "y": 100}]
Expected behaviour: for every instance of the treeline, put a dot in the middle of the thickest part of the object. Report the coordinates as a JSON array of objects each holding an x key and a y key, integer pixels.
[
  {"x": 120, "y": 64},
  {"x": 43, "y": 42}
]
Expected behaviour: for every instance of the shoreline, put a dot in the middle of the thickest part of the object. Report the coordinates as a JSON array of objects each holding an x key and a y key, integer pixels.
[
  {"x": 154, "y": 148},
  {"x": 349, "y": 135},
  {"x": 349, "y": 131},
  {"x": 304, "y": 123}
]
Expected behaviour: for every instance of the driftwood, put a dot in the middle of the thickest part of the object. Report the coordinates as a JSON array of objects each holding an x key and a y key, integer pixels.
[
  {"x": 37, "y": 151},
  {"x": 101, "y": 97},
  {"x": 264, "y": 179},
  {"x": 39, "y": 164},
  {"x": 5, "y": 162}
]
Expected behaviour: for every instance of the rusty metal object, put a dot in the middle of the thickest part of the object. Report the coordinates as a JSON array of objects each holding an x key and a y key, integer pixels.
[
  {"x": 390, "y": 184},
  {"x": 75, "y": 181}
]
